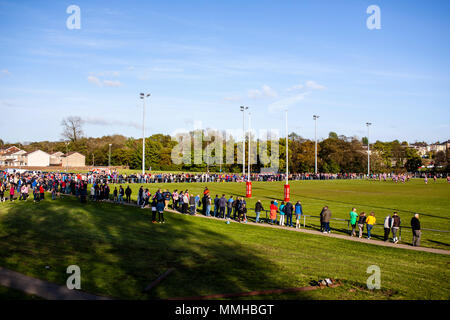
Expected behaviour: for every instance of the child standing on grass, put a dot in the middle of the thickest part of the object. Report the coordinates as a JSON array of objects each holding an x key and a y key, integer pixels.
[{"x": 11, "y": 192}]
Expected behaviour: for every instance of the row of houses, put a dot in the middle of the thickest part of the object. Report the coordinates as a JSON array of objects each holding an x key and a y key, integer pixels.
[
  {"x": 424, "y": 149},
  {"x": 16, "y": 157}
]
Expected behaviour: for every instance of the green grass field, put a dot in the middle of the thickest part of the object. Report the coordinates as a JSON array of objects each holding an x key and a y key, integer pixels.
[
  {"x": 120, "y": 251},
  {"x": 432, "y": 201}
]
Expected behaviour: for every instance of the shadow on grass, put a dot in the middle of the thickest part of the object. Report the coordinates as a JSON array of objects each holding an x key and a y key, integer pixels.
[{"x": 120, "y": 251}]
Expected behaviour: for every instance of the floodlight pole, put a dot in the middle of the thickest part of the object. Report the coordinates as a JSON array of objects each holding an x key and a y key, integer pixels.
[
  {"x": 109, "y": 157},
  {"x": 249, "y": 137},
  {"x": 143, "y": 96},
  {"x": 287, "y": 188},
  {"x": 368, "y": 124},
  {"x": 287, "y": 149},
  {"x": 249, "y": 183},
  {"x": 315, "y": 117},
  {"x": 243, "y": 108}
]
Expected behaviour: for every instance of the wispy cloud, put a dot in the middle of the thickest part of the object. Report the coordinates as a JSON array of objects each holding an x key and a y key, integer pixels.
[
  {"x": 288, "y": 102},
  {"x": 5, "y": 72},
  {"x": 94, "y": 80},
  {"x": 314, "y": 85},
  {"x": 109, "y": 122},
  {"x": 108, "y": 83},
  {"x": 265, "y": 91},
  {"x": 112, "y": 83}
]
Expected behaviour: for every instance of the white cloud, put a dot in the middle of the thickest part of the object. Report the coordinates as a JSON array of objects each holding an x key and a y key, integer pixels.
[
  {"x": 254, "y": 93},
  {"x": 94, "y": 80},
  {"x": 314, "y": 85},
  {"x": 109, "y": 83},
  {"x": 100, "y": 121},
  {"x": 234, "y": 98},
  {"x": 296, "y": 87},
  {"x": 265, "y": 91},
  {"x": 285, "y": 103},
  {"x": 269, "y": 92},
  {"x": 310, "y": 84},
  {"x": 5, "y": 72},
  {"x": 112, "y": 83}
]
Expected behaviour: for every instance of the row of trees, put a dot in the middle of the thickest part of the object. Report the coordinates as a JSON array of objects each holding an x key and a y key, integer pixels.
[{"x": 336, "y": 154}]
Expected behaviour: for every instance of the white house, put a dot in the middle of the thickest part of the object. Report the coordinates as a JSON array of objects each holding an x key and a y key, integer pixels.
[
  {"x": 38, "y": 158},
  {"x": 55, "y": 158}
]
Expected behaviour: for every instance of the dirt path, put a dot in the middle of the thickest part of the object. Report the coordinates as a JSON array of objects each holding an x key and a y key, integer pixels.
[
  {"x": 41, "y": 288},
  {"x": 333, "y": 235}
]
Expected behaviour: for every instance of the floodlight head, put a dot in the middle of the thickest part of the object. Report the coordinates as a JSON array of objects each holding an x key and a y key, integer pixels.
[
  {"x": 368, "y": 123},
  {"x": 142, "y": 94},
  {"x": 242, "y": 108},
  {"x": 148, "y": 95}
]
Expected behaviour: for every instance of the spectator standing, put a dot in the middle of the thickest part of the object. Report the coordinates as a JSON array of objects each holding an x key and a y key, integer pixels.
[
  {"x": 273, "y": 212},
  {"x": 216, "y": 205},
  {"x": 11, "y": 192},
  {"x": 353, "y": 218},
  {"x": 192, "y": 205},
  {"x": 288, "y": 208},
  {"x": 387, "y": 227},
  {"x": 415, "y": 225},
  {"x": 395, "y": 226},
  {"x": 298, "y": 214},
  {"x": 282, "y": 205},
  {"x": 361, "y": 222},
  {"x": 370, "y": 222},
  {"x": 258, "y": 208},
  {"x": 222, "y": 206},
  {"x": 326, "y": 219},
  {"x": 128, "y": 194},
  {"x": 208, "y": 205},
  {"x": 121, "y": 194}
]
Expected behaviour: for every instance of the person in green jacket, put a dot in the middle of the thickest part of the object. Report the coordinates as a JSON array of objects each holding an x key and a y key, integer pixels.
[{"x": 353, "y": 217}]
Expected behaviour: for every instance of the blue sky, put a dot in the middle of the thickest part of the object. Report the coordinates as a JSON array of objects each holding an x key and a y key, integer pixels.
[{"x": 201, "y": 60}]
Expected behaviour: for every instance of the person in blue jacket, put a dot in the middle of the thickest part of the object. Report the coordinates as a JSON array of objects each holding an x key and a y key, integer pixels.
[
  {"x": 160, "y": 206},
  {"x": 298, "y": 214}
]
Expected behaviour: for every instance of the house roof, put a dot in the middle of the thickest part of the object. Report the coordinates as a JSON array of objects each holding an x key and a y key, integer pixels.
[
  {"x": 71, "y": 153},
  {"x": 58, "y": 153},
  {"x": 28, "y": 153}
]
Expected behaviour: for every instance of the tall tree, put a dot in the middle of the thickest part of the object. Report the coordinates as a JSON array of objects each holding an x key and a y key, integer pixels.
[{"x": 72, "y": 128}]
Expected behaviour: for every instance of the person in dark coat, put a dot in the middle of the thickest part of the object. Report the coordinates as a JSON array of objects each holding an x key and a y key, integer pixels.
[
  {"x": 128, "y": 194},
  {"x": 258, "y": 208},
  {"x": 222, "y": 206},
  {"x": 415, "y": 226},
  {"x": 326, "y": 217},
  {"x": 288, "y": 208}
]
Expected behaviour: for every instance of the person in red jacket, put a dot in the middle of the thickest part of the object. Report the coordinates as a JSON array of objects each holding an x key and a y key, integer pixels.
[
  {"x": 11, "y": 192},
  {"x": 41, "y": 191}
]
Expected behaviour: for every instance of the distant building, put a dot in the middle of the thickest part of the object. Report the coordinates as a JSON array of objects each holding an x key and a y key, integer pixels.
[
  {"x": 56, "y": 158},
  {"x": 38, "y": 158},
  {"x": 73, "y": 159},
  {"x": 12, "y": 157}
]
